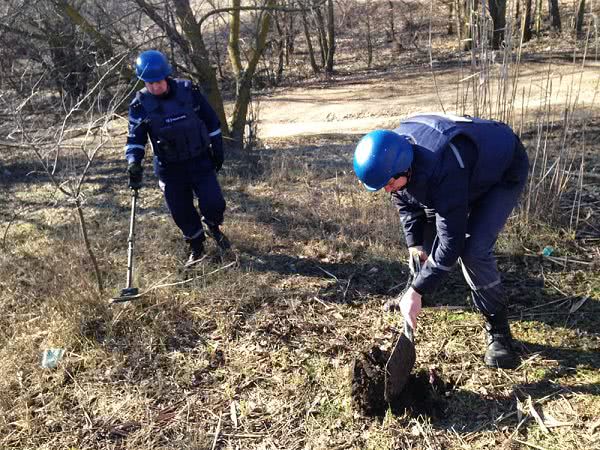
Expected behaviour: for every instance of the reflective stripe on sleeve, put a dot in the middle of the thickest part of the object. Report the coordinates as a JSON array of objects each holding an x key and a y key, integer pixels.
[
  {"x": 457, "y": 155},
  {"x": 130, "y": 146},
  {"x": 432, "y": 263}
]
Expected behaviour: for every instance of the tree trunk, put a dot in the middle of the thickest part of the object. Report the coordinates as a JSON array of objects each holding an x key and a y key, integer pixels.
[
  {"x": 450, "y": 17},
  {"x": 244, "y": 83},
  {"x": 217, "y": 52},
  {"x": 88, "y": 246},
  {"x": 538, "y": 17},
  {"x": 459, "y": 17},
  {"x": 580, "y": 16},
  {"x": 498, "y": 13},
  {"x": 281, "y": 47},
  {"x": 322, "y": 33},
  {"x": 369, "y": 38},
  {"x": 233, "y": 44},
  {"x": 467, "y": 24},
  {"x": 290, "y": 35},
  {"x": 330, "y": 37},
  {"x": 391, "y": 21},
  {"x": 555, "y": 14},
  {"x": 527, "y": 21},
  {"x": 311, "y": 52}
]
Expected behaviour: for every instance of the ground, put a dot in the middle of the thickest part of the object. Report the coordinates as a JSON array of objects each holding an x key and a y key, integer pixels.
[
  {"x": 255, "y": 348},
  {"x": 358, "y": 104}
]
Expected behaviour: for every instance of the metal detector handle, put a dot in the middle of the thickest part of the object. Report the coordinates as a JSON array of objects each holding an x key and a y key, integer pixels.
[{"x": 131, "y": 238}]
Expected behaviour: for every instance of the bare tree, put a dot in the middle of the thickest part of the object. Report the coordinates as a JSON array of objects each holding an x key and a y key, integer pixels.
[
  {"x": 66, "y": 162},
  {"x": 244, "y": 75},
  {"x": 311, "y": 52},
  {"x": 330, "y": 37},
  {"x": 538, "y": 16},
  {"x": 526, "y": 21},
  {"x": 579, "y": 19},
  {"x": 554, "y": 14},
  {"x": 498, "y": 13}
]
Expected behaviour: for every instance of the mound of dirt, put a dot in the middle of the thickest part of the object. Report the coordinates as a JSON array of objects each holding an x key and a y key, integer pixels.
[
  {"x": 422, "y": 395},
  {"x": 368, "y": 382}
]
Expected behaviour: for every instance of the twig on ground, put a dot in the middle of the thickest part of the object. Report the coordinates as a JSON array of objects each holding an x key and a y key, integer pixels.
[
  {"x": 533, "y": 412},
  {"x": 322, "y": 302},
  {"x": 233, "y": 414},
  {"x": 347, "y": 287},
  {"x": 330, "y": 274},
  {"x": 529, "y": 444},
  {"x": 241, "y": 435},
  {"x": 217, "y": 433},
  {"x": 545, "y": 305},
  {"x": 157, "y": 286}
]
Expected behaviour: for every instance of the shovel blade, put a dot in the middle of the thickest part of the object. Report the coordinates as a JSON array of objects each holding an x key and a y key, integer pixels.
[{"x": 398, "y": 367}]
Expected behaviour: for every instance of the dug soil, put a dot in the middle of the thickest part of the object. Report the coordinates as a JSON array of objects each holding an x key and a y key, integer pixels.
[{"x": 423, "y": 394}]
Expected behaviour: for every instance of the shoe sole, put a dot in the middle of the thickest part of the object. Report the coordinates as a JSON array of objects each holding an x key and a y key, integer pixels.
[{"x": 501, "y": 363}]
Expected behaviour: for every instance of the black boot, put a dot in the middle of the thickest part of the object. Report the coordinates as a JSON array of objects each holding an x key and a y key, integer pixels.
[
  {"x": 196, "y": 250},
  {"x": 215, "y": 232},
  {"x": 501, "y": 350}
]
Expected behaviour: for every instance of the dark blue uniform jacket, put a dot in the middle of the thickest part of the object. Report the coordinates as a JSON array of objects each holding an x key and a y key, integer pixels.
[
  {"x": 455, "y": 163},
  {"x": 181, "y": 125}
]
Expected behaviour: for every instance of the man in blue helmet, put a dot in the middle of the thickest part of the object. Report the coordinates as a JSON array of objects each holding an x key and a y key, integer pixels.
[
  {"x": 185, "y": 134},
  {"x": 454, "y": 179}
]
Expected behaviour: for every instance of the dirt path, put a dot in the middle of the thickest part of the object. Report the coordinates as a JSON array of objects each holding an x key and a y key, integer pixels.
[{"x": 357, "y": 106}]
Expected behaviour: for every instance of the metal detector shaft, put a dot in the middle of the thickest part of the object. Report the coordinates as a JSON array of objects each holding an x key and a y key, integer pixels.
[{"x": 131, "y": 239}]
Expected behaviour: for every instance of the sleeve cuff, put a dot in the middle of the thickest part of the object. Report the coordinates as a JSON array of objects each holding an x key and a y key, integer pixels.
[{"x": 417, "y": 290}]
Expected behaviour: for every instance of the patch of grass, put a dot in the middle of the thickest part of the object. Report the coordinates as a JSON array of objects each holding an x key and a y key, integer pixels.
[{"x": 260, "y": 350}]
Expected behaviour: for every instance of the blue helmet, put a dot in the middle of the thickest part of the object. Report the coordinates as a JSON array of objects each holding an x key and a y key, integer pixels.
[
  {"x": 152, "y": 66},
  {"x": 380, "y": 155}
]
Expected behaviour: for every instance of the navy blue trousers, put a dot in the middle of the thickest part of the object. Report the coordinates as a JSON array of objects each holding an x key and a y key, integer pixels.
[
  {"x": 487, "y": 218},
  {"x": 181, "y": 184}
]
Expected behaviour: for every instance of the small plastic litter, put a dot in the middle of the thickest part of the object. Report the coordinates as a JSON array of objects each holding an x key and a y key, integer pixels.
[
  {"x": 547, "y": 251},
  {"x": 51, "y": 357}
]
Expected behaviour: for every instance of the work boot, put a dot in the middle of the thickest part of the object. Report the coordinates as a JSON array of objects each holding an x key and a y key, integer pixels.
[
  {"x": 196, "y": 250},
  {"x": 501, "y": 350},
  {"x": 215, "y": 232}
]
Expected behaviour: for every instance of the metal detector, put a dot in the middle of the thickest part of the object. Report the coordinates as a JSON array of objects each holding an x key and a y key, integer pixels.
[{"x": 129, "y": 292}]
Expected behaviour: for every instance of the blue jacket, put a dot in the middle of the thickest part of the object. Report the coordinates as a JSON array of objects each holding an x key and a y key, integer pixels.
[
  {"x": 179, "y": 124},
  {"x": 455, "y": 163}
]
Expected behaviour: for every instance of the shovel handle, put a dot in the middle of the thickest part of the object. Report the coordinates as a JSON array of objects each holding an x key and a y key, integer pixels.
[
  {"x": 409, "y": 332},
  {"x": 415, "y": 268}
]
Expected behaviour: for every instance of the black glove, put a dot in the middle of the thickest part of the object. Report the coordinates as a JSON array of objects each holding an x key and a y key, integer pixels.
[
  {"x": 217, "y": 159},
  {"x": 135, "y": 171},
  {"x": 216, "y": 151}
]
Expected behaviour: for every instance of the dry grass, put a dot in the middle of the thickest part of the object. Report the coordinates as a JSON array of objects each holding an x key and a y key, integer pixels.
[{"x": 257, "y": 355}]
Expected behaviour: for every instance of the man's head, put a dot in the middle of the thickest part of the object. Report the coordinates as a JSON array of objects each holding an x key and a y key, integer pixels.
[
  {"x": 152, "y": 67},
  {"x": 382, "y": 159}
]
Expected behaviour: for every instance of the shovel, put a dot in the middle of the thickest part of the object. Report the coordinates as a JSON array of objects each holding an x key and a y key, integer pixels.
[
  {"x": 129, "y": 293},
  {"x": 403, "y": 356}
]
